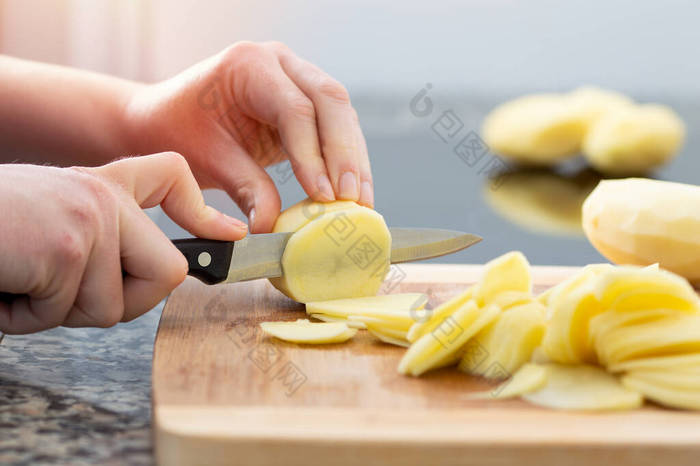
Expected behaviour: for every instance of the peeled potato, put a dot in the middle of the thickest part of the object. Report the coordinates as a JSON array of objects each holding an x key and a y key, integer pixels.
[
  {"x": 534, "y": 129},
  {"x": 303, "y": 331},
  {"x": 447, "y": 339},
  {"x": 591, "y": 103},
  {"x": 508, "y": 341},
  {"x": 642, "y": 221},
  {"x": 634, "y": 139},
  {"x": 341, "y": 252},
  {"x": 528, "y": 378},
  {"x": 583, "y": 388}
]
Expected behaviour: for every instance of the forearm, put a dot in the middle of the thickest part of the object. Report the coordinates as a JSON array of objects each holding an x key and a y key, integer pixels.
[{"x": 54, "y": 114}]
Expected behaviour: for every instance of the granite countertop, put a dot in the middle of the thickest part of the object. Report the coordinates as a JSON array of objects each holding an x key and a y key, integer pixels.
[{"x": 78, "y": 396}]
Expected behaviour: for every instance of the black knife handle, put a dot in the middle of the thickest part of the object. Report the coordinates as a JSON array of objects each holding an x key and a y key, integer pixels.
[{"x": 208, "y": 259}]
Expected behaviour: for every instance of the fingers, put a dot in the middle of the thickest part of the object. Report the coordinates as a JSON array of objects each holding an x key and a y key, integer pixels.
[
  {"x": 153, "y": 265},
  {"x": 251, "y": 188},
  {"x": 166, "y": 179},
  {"x": 343, "y": 146},
  {"x": 268, "y": 94}
]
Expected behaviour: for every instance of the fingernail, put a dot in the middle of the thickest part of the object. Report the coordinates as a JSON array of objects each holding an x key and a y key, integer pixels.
[
  {"x": 325, "y": 189},
  {"x": 251, "y": 218},
  {"x": 366, "y": 194},
  {"x": 235, "y": 222},
  {"x": 348, "y": 186}
]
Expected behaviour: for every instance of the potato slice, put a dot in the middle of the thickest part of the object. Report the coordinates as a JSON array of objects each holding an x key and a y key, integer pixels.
[
  {"x": 507, "y": 341},
  {"x": 583, "y": 388},
  {"x": 509, "y": 272},
  {"x": 663, "y": 337},
  {"x": 590, "y": 103},
  {"x": 535, "y": 129},
  {"x": 447, "y": 339},
  {"x": 439, "y": 314},
  {"x": 338, "y": 254},
  {"x": 355, "y": 306},
  {"x": 672, "y": 397},
  {"x": 398, "y": 320},
  {"x": 683, "y": 362},
  {"x": 326, "y": 318},
  {"x": 303, "y": 331},
  {"x": 529, "y": 378},
  {"x": 634, "y": 139},
  {"x": 642, "y": 221},
  {"x": 688, "y": 380},
  {"x": 389, "y": 336},
  {"x": 603, "y": 324}
]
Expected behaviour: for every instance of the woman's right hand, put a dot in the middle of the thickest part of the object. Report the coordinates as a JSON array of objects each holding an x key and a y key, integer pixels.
[{"x": 76, "y": 248}]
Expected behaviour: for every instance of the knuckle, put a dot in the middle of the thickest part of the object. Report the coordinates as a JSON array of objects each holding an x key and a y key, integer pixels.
[
  {"x": 332, "y": 89},
  {"x": 277, "y": 46},
  {"x": 71, "y": 248},
  {"x": 301, "y": 107},
  {"x": 176, "y": 273},
  {"x": 241, "y": 51}
]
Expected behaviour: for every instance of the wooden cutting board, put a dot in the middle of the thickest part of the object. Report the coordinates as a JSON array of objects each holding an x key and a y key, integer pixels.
[{"x": 223, "y": 393}]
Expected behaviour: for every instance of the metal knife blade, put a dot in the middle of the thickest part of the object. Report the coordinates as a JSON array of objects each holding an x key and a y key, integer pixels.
[{"x": 259, "y": 256}]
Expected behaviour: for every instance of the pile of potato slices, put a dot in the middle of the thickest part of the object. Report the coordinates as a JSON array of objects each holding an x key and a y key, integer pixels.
[{"x": 605, "y": 339}]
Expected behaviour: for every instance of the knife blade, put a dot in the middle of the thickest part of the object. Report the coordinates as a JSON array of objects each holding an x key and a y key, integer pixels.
[{"x": 260, "y": 255}]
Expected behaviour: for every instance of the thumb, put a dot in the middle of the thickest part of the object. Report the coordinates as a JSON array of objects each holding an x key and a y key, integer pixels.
[
  {"x": 251, "y": 188},
  {"x": 166, "y": 179}
]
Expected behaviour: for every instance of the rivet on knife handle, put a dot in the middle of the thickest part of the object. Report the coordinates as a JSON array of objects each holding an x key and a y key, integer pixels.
[{"x": 208, "y": 259}]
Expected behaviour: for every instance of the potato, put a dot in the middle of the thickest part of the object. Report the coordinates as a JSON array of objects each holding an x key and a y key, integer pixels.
[
  {"x": 529, "y": 378},
  {"x": 303, "y": 331},
  {"x": 583, "y": 388},
  {"x": 507, "y": 341},
  {"x": 341, "y": 252},
  {"x": 641, "y": 221},
  {"x": 591, "y": 103},
  {"x": 633, "y": 139},
  {"x": 535, "y": 129},
  {"x": 447, "y": 339}
]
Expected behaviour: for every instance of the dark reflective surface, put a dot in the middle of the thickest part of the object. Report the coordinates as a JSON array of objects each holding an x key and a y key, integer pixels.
[{"x": 427, "y": 175}]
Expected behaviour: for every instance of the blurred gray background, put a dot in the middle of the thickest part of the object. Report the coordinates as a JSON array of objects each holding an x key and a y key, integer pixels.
[{"x": 474, "y": 54}]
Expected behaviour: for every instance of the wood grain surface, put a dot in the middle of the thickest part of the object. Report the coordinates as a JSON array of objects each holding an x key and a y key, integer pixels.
[{"x": 224, "y": 393}]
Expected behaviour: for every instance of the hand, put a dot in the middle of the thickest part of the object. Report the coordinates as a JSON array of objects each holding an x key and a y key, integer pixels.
[
  {"x": 250, "y": 106},
  {"x": 78, "y": 250}
]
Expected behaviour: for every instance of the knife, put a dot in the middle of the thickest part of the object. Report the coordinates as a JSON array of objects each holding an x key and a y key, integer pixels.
[{"x": 259, "y": 256}]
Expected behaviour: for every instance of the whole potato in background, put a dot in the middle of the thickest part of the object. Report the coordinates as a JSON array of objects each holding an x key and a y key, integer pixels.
[
  {"x": 642, "y": 221},
  {"x": 634, "y": 139}
]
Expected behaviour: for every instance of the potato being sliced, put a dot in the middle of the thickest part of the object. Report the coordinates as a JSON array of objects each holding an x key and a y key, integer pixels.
[
  {"x": 529, "y": 378},
  {"x": 508, "y": 341},
  {"x": 439, "y": 314},
  {"x": 583, "y": 388},
  {"x": 683, "y": 362},
  {"x": 674, "y": 398},
  {"x": 303, "y": 331},
  {"x": 447, "y": 339},
  {"x": 341, "y": 253},
  {"x": 355, "y": 306}
]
